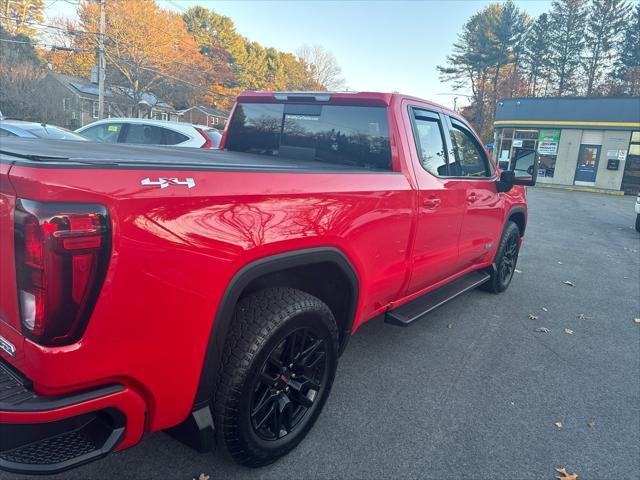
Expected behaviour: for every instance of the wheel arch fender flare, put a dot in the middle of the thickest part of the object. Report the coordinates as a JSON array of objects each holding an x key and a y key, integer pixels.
[
  {"x": 517, "y": 214},
  {"x": 241, "y": 280}
]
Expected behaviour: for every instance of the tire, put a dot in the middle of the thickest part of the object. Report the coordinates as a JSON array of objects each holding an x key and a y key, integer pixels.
[
  {"x": 505, "y": 261},
  {"x": 638, "y": 223},
  {"x": 262, "y": 375}
]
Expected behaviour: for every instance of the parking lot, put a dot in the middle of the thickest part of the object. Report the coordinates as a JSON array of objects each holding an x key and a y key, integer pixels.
[{"x": 474, "y": 391}]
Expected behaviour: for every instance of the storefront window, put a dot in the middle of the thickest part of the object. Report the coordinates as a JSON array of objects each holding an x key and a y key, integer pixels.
[{"x": 546, "y": 165}]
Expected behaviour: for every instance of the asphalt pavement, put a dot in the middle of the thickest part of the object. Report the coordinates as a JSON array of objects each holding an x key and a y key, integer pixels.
[{"x": 474, "y": 391}]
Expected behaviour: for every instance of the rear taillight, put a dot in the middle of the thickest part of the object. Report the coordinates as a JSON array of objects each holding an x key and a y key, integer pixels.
[
  {"x": 62, "y": 253},
  {"x": 207, "y": 141}
]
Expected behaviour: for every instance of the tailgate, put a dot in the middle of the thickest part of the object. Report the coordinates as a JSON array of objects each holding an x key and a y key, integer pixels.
[{"x": 9, "y": 315}]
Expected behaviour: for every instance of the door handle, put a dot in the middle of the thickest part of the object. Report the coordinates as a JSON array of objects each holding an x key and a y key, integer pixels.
[
  {"x": 472, "y": 197},
  {"x": 431, "y": 202}
]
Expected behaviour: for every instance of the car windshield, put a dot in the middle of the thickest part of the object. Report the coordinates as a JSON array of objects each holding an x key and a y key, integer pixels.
[{"x": 51, "y": 132}]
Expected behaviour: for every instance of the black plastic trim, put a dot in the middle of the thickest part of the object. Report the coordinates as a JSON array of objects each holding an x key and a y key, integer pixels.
[
  {"x": 518, "y": 209},
  {"x": 23, "y": 399},
  {"x": 27, "y": 447},
  {"x": 241, "y": 280}
]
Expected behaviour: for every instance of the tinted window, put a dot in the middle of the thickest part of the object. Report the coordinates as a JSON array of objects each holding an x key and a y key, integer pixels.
[
  {"x": 144, "y": 134},
  {"x": 346, "y": 135},
  {"x": 470, "y": 160},
  {"x": 103, "y": 133},
  {"x": 171, "y": 137},
  {"x": 430, "y": 144}
]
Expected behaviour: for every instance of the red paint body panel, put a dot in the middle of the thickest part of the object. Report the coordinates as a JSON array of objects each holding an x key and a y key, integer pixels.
[{"x": 175, "y": 250}]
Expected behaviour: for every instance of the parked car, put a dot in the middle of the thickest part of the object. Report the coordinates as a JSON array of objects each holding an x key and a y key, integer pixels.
[
  {"x": 637, "y": 208},
  {"x": 144, "y": 131},
  {"x": 19, "y": 128},
  {"x": 211, "y": 292}
]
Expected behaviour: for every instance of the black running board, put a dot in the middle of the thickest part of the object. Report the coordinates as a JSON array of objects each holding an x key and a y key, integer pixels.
[{"x": 408, "y": 313}]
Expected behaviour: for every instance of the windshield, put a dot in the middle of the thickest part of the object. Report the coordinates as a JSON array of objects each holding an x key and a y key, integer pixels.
[
  {"x": 54, "y": 133},
  {"x": 348, "y": 135}
]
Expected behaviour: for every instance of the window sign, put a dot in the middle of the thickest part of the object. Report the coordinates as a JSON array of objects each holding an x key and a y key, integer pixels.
[
  {"x": 622, "y": 155},
  {"x": 612, "y": 153},
  {"x": 549, "y": 136},
  {"x": 548, "y": 148},
  {"x": 517, "y": 143}
]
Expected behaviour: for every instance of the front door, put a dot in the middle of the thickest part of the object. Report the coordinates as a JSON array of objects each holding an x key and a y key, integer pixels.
[
  {"x": 587, "y": 163},
  {"x": 484, "y": 214}
]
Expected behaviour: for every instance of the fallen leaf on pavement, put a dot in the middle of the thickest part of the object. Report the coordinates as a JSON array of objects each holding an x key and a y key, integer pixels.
[
  {"x": 582, "y": 316},
  {"x": 544, "y": 309},
  {"x": 591, "y": 423},
  {"x": 570, "y": 283},
  {"x": 202, "y": 476},
  {"x": 568, "y": 331},
  {"x": 558, "y": 424},
  {"x": 559, "y": 263},
  {"x": 566, "y": 476},
  {"x": 542, "y": 329},
  {"x": 637, "y": 320},
  {"x": 450, "y": 326},
  {"x": 517, "y": 271},
  {"x": 532, "y": 317}
]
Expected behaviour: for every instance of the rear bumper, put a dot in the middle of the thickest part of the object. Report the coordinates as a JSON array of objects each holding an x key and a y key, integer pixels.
[{"x": 41, "y": 435}]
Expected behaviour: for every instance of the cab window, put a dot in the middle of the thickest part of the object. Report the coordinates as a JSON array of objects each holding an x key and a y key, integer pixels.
[
  {"x": 469, "y": 158},
  {"x": 430, "y": 142}
]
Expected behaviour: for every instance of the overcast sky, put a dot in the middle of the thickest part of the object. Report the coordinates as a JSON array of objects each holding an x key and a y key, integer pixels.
[{"x": 380, "y": 45}]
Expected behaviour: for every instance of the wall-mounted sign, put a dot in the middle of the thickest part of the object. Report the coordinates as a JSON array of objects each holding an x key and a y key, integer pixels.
[
  {"x": 549, "y": 136},
  {"x": 622, "y": 155},
  {"x": 613, "y": 164},
  {"x": 612, "y": 153},
  {"x": 517, "y": 143},
  {"x": 548, "y": 148}
]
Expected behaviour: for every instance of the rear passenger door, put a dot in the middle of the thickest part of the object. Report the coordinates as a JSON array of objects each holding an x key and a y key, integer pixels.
[
  {"x": 483, "y": 219},
  {"x": 441, "y": 201}
]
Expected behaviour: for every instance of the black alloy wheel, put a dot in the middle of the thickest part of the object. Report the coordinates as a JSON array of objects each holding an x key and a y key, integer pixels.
[
  {"x": 279, "y": 363},
  {"x": 505, "y": 260},
  {"x": 288, "y": 384}
]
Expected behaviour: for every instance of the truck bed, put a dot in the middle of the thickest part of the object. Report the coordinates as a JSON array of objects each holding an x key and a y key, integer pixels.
[{"x": 70, "y": 154}]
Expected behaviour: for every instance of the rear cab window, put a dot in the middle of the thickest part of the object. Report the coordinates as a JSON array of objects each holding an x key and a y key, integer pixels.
[{"x": 356, "y": 136}]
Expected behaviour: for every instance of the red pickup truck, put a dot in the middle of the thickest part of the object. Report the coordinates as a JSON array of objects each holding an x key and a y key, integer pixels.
[{"x": 210, "y": 293}]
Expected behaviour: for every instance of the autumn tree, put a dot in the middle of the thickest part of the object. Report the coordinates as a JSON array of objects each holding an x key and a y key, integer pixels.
[
  {"x": 567, "y": 22},
  {"x": 323, "y": 66},
  {"x": 19, "y": 16},
  {"x": 145, "y": 45}
]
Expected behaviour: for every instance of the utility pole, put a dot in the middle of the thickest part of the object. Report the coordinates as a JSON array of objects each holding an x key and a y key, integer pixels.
[{"x": 101, "y": 62}]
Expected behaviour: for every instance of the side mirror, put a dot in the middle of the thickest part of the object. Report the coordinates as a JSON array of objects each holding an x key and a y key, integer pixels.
[
  {"x": 524, "y": 166},
  {"x": 506, "y": 181}
]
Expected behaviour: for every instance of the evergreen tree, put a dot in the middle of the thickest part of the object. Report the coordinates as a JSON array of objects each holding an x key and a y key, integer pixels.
[
  {"x": 536, "y": 55},
  {"x": 627, "y": 65},
  {"x": 604, "y": 26},
  {"x": 567, "y": 22}
]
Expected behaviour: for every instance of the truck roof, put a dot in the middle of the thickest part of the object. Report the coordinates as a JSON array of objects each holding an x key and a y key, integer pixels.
[{"x": 342, "y": 98}]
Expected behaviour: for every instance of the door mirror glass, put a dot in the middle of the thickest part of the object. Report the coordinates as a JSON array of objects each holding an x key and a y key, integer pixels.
[{"x": 524, "y": 166}]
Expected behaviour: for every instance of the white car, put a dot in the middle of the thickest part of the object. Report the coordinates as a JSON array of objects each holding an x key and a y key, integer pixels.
[
  {"x": 637, "y": 207},
  {"x": 143, "y": 131}
]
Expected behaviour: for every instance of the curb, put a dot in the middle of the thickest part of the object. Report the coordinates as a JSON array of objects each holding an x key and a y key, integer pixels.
[{"x": 578, "y": 188}]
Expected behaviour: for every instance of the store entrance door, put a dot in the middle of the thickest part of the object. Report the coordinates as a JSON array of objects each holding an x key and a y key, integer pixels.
[{"x": 587, "y": 163}]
